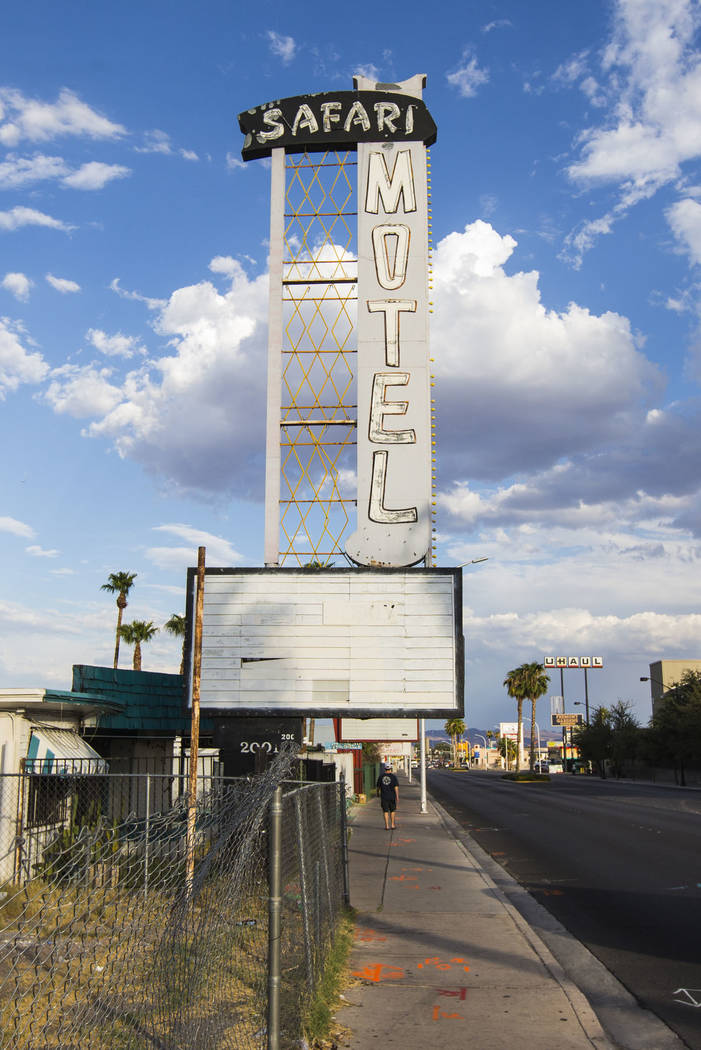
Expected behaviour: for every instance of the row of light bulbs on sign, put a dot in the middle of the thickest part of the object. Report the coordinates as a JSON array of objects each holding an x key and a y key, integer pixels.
[{"x": 433, "y": 378}]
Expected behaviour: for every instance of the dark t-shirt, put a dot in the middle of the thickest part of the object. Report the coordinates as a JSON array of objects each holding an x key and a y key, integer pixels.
[{"x": 387, "y": 782}]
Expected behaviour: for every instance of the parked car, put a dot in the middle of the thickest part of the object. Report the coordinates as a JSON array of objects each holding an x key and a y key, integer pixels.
[
  {"x": 555, "y": 767},
  {"x": 542, "y": 767}
]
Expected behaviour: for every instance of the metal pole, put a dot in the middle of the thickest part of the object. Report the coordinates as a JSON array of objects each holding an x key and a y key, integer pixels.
[
  {"x": 422, "y": 736},
  {"x": 344, "y": 842},
  {"x": 324, "y": 853},
  {"x": 274, "y": 916},
  {"x": 19, "y": 827},
  {"x": 564, "y": 729},
  {"x": 147, "y": 830},
  {"x": 586, "y": 695},
  {"x": 195, "y": 724},
  {"x": 304, "y": 888}
]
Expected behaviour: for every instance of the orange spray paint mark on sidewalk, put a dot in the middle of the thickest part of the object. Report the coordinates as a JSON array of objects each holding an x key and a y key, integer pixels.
[
  {"x": 439, "y": 1015},
  {"x": 379, "y": 972},
  {"x": 369, "y": 935},
  {"x": 435, "y": 961}
]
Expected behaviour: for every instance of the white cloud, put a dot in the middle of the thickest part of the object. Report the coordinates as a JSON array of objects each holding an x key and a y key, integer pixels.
[
  {"x": 21, "y": 171},
  {"x": 16, "y": 528},
  {"x": 21, "y": 216},
  {"x": 62, "y": 284},
  {"x": 652, "y": 91},
  {"x": 29, "y": 119},
  {"x": 17, "y": 364},
  {"x": 117, "y": 345},
  {"x": 499, "y": 23},
  {"x": 94, "y": 175},
  {"x": 219, "y": 551},
  {"x": 368, "y": 70},
  {"x": 684, "y": 218},
  {"x": 123, "y": 293},
  {"x": 224, "y": 264},
  {"x": 188, "y": 154},
  {"x": 284, "y": 47},
  {"x": 189, "y": 415},
  {"x": 573, "y": 69},
  {"x": 39, "y": 552},
  {"x": 504, "y": 360},
  {"x": 82, "y": 392},
  {"x": 468, "y": 76},
  {"x": 18, "y": 284},
  {"x": 155, "y": 141},
  {"x": 234, "y": 163}
]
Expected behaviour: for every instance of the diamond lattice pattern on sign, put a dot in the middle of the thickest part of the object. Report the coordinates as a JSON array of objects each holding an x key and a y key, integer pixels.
[{"x": 318, "y": 400}]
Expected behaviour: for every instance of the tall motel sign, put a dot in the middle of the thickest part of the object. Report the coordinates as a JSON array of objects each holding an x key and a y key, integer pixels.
[{"x": 350, "y": 451}]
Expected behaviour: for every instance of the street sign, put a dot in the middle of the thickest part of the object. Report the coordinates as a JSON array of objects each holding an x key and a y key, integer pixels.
[{"x": 566, "y": 719}]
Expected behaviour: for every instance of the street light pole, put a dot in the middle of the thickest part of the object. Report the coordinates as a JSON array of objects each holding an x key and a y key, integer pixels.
[{"x": 485, "y": 746}]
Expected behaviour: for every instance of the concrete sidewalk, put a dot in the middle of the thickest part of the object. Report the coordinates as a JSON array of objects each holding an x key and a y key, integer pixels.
[{"x": 441, "y": 956}]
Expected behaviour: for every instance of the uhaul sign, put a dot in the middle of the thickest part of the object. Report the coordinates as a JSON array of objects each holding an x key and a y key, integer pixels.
[
  {"x": 394, "y": 417},
  {"x": 563, "y": 662}
]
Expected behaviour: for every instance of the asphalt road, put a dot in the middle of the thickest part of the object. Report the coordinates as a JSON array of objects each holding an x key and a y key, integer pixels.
[{"x": 617, "y": 863}]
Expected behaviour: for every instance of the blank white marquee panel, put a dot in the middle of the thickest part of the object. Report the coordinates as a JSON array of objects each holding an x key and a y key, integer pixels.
[
  {"x": 383, "y": 729},
  {"x": 329, "y": 642}
]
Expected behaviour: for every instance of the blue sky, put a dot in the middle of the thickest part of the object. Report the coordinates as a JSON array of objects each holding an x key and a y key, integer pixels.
[{"x": 567, "y": 230}]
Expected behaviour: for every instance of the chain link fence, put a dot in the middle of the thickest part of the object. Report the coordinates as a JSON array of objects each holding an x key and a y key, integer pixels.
[{"x": 107, "y": 942}]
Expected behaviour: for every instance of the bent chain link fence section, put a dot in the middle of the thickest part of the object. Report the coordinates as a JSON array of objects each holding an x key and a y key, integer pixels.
[{"x": 104, "y": 940}]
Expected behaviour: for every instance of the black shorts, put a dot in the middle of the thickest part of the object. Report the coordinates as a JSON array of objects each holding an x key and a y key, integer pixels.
[{"x": 388, "y": 805}]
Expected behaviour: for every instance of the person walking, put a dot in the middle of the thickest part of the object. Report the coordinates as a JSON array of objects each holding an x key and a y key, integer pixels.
[{"x": 388, "y": 792}]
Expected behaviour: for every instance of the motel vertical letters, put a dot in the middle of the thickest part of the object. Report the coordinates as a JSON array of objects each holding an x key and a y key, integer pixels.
[{"x": 394, "y": 417}]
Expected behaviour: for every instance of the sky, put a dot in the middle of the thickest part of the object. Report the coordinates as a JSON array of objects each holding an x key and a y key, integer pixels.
[{"x": 566, "y": 193}]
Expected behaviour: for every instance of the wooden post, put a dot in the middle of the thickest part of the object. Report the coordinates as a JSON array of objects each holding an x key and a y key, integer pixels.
[{"x": 195, "y": 724}]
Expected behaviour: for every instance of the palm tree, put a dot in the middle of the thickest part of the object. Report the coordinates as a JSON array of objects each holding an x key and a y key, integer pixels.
[
  {"x": 119, "y": 583},
  {"x": 134, "y": 634},
  {"x": 535, "y": 685},
  {"x": 515, "y": 687},
  {"x": 454, "y": 727},
  {"x": 527, "y": 682},
  {"x": 176, "y": 625}
]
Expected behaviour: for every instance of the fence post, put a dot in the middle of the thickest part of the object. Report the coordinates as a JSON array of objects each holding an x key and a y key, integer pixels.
[
  {"x": 323, "y": 824},
  {"x": 19, "y": 826},
  {"x": 147, "y": 831},
  {"x": 274, "y": 915},
  {"x": 304, "y": 887},
  {"x": 344, "y": 841}
]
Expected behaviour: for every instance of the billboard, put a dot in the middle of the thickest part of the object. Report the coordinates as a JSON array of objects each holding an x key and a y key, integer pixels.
[
  {"x": 383, "y": 729},
  {"x": 323, "y": 642},
  {"x": 508, "y": 730}
]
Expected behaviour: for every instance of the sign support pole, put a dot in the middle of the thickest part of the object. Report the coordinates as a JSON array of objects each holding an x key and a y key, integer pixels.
[
  {"x": 422, "y": 738},
  {"x": 195, "y": 725}
]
